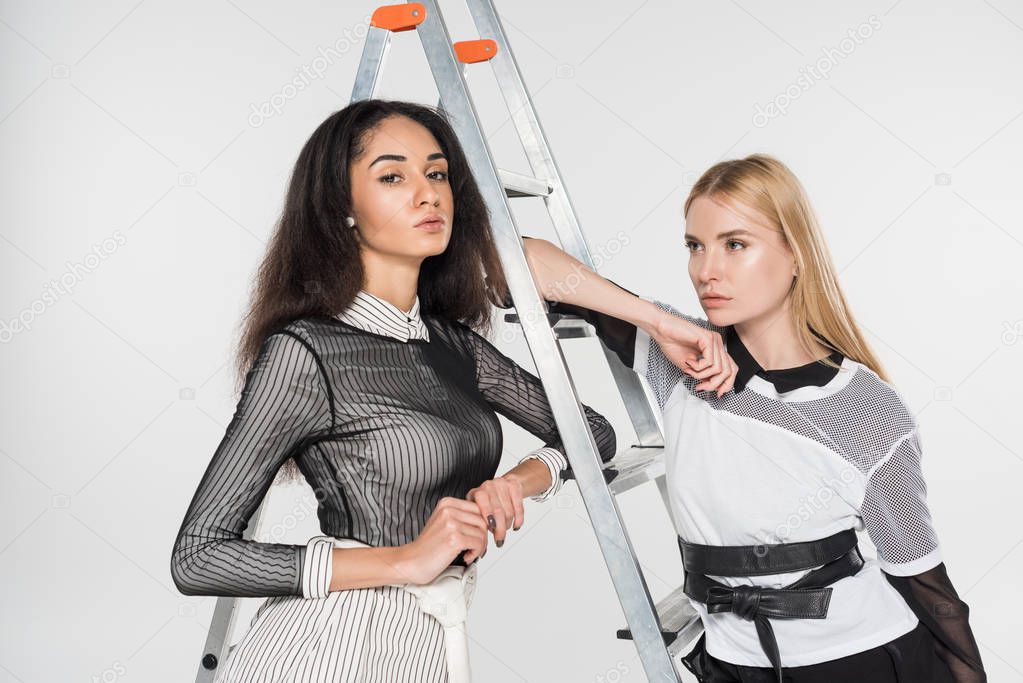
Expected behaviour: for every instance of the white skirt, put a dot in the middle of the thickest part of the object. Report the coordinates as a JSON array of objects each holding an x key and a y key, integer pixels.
[{"x": 369, "y": 635}]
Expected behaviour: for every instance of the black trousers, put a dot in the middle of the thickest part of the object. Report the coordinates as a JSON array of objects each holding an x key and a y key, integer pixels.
[{"x": 910, "y": 658}]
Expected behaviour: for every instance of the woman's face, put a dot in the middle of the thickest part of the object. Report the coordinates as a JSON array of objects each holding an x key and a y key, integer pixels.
[
  {"x": 733, "y": 252},
  {"x": 400, "y": 181}
]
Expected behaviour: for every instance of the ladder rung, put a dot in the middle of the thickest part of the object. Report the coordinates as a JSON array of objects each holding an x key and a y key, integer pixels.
[
  {"x": 564, "y": 326},
  {"x": 636, "y": 466},
  {"x": 680, "y": 623},
  {"x": 632, "y": 467},
  {"x": 518, "y": 185}
]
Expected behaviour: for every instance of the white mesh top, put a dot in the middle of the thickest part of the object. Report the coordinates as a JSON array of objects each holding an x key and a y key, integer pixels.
[{"x": 795, "y": 455}]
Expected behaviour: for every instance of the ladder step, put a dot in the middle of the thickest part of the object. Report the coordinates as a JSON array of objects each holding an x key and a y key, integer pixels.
[
  {"x": 632, "y": 467},
  {"x": 564, "y": 326},
  {"x": 680, "y": 622},
  {"x": 518, "y": 185}
]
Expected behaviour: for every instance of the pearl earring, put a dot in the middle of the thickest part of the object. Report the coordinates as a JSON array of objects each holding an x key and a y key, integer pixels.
[{"x": 350, "y": 221}]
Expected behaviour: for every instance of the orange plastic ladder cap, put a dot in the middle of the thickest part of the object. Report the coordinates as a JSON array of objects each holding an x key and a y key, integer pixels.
[
  {"x": 472, "y": 51},
  {"x": 397, "y": 18}
]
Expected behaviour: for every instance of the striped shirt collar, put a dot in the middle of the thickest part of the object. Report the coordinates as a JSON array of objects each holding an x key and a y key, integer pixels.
[{"x": 373, "y": 314}]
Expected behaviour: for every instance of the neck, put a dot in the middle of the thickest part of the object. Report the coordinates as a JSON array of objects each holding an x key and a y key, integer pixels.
[
  {"x": 394, "y": 281},
  {"x": 773, "y": 342}
]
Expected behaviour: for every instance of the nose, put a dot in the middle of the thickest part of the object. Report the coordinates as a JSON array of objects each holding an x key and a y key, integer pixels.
[
  {"x": 426, "y": 193},
  {"x": 710, "y": 266}
]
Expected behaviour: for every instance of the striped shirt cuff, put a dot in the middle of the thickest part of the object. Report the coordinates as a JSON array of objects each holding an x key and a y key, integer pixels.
[
  {"x": 318, "y": 567},
  {"x": 556, "y": 464}
]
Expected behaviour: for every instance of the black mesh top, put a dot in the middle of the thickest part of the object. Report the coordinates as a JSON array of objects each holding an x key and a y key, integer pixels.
[{"x": 382, "y": 430}]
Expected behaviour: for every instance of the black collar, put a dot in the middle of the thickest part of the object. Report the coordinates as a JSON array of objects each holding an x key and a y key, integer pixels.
[{"x": 786, "y": 379}]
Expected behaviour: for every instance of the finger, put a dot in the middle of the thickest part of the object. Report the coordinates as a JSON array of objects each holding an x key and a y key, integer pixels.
[
  {"x": 717, "y": 383},
  {"x": 492, "y": 511},
  {"x": 465, "y": 505},
  {"x": 709, "y": 350},
  {"x": 703, "y": 356},
  {"x": 474, "y": 544},
  {"x": 499, "y": 525},
  {"x": 508, "y": 502},
  {"x": 519, "y": 510},
  {"x": 485, "y": 509},
  {"x": 716, "y": 371},
  {"x": 504, "y": 514},
  {"x": 729, "y": 384},
  {"x": 472, "y": 519}
]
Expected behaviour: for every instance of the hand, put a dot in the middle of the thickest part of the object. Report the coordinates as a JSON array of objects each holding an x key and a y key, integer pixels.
[
  {"x": 500, "y": 503},
  {"x": 697, "y": 351},
  {"x": 454, "y": 527}
]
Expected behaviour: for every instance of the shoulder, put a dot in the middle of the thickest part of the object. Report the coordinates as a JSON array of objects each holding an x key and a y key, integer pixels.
[
  {"x": 305, "y": 332},
  {"x": 888, "y": 403},
  {"x": 454, "y": 330},
  {"x": 881, "y": 410}
]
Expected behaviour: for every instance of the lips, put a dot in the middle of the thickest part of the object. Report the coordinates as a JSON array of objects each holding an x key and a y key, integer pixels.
[{"x": 431, "y": 222}]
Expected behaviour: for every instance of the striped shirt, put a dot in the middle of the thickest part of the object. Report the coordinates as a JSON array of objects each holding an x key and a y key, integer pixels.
[{"x": 385, "y": 412}]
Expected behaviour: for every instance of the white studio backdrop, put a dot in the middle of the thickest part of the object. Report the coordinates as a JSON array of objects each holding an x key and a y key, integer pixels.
[{"x": 146, "y": 148}]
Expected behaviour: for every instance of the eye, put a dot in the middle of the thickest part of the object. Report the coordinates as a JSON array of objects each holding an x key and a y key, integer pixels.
[
  {"x": 438, "y": 175},
  {"x": 389, "y": 179},
  {"x": 736, "y": 242},
  {"x": 690, "y": 245}
]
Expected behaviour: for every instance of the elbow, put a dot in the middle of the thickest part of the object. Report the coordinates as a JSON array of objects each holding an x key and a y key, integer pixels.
[
  {"x": 185, "y": 562},
  {"x": 539, "y": 255},
  {"x": 607, "y": 441},
  {"x": 531, "y": 244},
  {"x": 603, "y": 434}
]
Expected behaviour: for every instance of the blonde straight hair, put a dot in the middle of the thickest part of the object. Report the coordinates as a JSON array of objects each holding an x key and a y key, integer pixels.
[{"x": 765, "y": 185}]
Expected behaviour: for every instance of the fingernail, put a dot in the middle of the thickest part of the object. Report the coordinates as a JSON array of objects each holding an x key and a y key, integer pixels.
[
  {"x": 500, "y": 543},
  {"x": 491, "y": 522}
]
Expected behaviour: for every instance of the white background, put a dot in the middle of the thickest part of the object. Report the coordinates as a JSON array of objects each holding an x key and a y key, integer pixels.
[{"x": 135, "y": 174}]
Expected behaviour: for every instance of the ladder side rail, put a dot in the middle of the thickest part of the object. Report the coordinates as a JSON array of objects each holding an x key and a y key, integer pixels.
[
  {"x": 225, "y": 617},
  {"x": 371, "y": 64},
  {"x": 579, "y": 445},
  {"x": 563, "y": 214}
]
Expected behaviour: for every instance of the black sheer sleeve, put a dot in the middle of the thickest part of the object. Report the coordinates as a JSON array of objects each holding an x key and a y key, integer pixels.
[
  {"x": 519, "y": 395},
  {"x": 283, "y": 403},
  {"x": 897, "y": 518},
  {"x": 936, "y": 603}
]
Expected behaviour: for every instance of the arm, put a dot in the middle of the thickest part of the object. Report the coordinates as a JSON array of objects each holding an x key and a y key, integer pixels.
[
  {"x": 564, "y": 279},
  {"x": 284, "y": 406},
  {"x": 284, "y": 402},
  {"x": 519, "y": 395},
  {"x": 649, "y": 336},
  {"x": 898, "y": 521}
]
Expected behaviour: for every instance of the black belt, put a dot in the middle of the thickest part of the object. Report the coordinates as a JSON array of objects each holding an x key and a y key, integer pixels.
[{"x": 806, "y": 598}]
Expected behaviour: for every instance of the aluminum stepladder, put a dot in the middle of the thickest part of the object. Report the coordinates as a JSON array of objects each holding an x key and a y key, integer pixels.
[{"x": 662, "y": 631}]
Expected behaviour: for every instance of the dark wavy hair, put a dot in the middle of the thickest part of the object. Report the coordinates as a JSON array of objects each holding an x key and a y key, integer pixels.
[{"x": 313, "y": 265}]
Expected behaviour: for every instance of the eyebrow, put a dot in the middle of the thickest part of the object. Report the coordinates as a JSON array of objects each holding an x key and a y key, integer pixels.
[
  {"x": 722, "y": 235},
  {"x": 401, "y": 157}
]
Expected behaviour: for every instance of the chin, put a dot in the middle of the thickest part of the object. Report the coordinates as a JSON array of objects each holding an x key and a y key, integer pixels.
[
  {"x": 719, "y": 318},
  {"x": 432, "y": 247}
]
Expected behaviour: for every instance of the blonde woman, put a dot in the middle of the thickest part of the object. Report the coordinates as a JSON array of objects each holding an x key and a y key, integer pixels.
[{"x": 783, "y": 438}]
